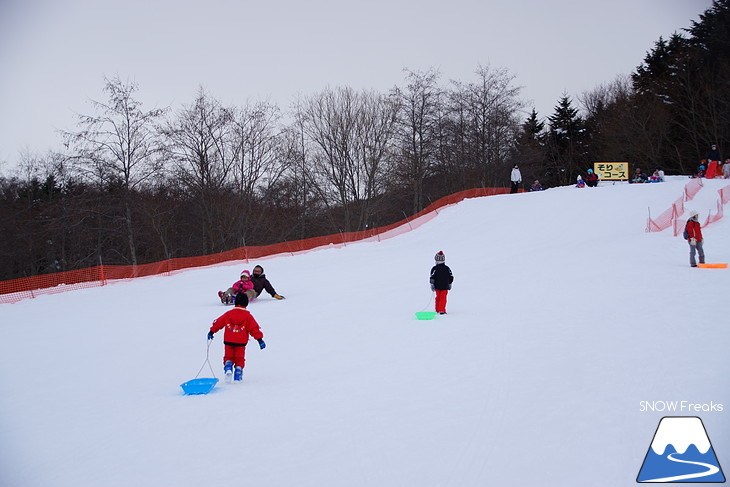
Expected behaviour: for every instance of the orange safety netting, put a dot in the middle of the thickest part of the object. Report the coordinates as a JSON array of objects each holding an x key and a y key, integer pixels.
[
  {"x": 670, "y": 217},
  {"x": 667, "y": 218},
  {"x": 14, "y": 290}
]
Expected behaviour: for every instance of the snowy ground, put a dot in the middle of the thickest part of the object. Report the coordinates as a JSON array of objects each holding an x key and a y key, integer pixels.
[{"x": 564, "y": 316}]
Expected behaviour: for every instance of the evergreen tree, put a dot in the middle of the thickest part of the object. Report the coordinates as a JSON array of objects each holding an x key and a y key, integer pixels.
[
  {"x": 565, "y": 142},
  {"x": 533, "y": 127},
  {"x": 529, "y": 149},
  {"x": 683, "y": 93}
]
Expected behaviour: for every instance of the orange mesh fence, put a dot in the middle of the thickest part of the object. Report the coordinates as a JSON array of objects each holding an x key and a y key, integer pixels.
[
  {"x": 717, "y": 216},
  {"x": 724, "y": 198},
  {"x": 669, "y": 217},
  {"x": 724, "y": 194},
  {"x": 692, "y": 188},
  {"x": 14, "y": 290}
]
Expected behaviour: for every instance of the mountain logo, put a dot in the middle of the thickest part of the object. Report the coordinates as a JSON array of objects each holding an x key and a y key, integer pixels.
[{"x": 680, "y": 452}]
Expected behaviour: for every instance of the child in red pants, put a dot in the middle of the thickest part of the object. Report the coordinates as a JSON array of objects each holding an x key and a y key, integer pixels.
[
  {"x": 441, "y": 279},
  {"x": 239, "y": 324}
]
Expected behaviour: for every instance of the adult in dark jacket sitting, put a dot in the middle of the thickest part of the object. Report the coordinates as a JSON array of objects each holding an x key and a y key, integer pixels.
[
  {"x": 639, "y": 176},
  {"x": 260, "y": 283},
  {"x": 591, "y": 179}
]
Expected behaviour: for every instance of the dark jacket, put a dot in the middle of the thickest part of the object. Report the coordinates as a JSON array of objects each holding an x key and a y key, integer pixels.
[
  {"x": 260, "y": 283},
  {"x": 441, "y": 277},
  {"x": 713, "y": 155}
]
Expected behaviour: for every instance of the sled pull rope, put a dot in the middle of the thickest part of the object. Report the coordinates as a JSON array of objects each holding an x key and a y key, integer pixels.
[
  {"x": 431, "y": 297},
  {"x": 207, "y": 361}
]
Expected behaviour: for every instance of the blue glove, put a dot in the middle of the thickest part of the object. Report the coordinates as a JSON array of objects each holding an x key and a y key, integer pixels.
[
  {"x": 262, "y": 344},
  {"x": 210, "y": 335}
]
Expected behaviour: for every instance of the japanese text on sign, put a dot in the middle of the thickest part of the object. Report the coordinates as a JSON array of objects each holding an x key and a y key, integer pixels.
[{"x": 608, "y": 171}]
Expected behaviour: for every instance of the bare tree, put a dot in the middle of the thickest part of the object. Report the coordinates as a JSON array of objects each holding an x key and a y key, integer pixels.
[
  {"x": 612, "y": 123},
  {"x": 118, "y": 144},
  {"x": 259, "y": 162},
  {"x": 488, "y": 111},
  {"x": 199, "y": 142},
  {"x": 420, "y": 105},
  {"x": 352, "y": 133}
]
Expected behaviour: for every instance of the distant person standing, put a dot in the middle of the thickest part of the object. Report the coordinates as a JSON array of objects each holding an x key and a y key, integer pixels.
[
  {"x": 441, "y": 279},
  {"x": 713, "y": 162},
  {"x": 726, "y": 169},
  {"x": 694, "y": 238},
  {"x": 713, "y": 154},
  {"x": 515, "y": 178}
]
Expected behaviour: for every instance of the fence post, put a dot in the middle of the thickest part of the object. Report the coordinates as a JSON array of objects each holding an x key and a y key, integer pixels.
[
  {"x": 409, "y": 221},
  {"x": 648, "y": 221},
  {"x": 342, "y": 237},
  {"x": 102, "y": 275}
]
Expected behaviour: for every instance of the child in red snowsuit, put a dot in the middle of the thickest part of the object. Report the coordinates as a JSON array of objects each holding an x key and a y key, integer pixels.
[
  {"x": 239, "y": 324},
  {"x": 441, "y": 279}
]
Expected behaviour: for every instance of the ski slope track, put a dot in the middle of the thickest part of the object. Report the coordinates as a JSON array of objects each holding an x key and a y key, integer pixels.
[{"x": 564, "y": 316}]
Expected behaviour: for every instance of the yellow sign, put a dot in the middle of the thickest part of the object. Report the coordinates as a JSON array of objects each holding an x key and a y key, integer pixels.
[{"x": 609, "y": 171}]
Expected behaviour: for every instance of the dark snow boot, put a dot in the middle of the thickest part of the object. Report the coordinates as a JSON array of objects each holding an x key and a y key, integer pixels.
[{"x": 238, "y": 374}]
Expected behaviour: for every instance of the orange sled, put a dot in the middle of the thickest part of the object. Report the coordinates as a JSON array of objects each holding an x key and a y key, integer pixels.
[{"x": 713, "y": 266}]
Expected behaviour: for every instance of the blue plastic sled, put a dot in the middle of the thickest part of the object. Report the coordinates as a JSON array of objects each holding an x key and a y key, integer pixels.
[{"x": 199, "y": 386}]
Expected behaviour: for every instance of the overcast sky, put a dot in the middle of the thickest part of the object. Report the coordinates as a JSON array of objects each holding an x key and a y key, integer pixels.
[{"x": 54, "y": 54}]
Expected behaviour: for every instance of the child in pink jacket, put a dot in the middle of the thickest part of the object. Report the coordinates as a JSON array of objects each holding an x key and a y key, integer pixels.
[{"x": 243, "y": 285}]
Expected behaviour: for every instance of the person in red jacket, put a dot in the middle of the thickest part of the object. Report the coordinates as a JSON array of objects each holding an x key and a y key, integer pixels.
[
  {"x": 239, "y": 324},
  {"x": 694, "y": 238},
  {"x": 591, "y": 179}
]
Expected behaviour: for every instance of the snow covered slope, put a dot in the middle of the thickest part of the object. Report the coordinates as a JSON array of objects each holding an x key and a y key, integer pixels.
[{"x": 565, "y": 320}]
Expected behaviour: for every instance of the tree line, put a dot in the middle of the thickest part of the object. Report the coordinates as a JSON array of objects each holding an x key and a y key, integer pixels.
[{"x": 135, "y": 186}]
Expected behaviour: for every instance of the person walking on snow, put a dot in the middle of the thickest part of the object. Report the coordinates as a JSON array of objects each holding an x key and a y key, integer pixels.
[
  {"x": 239, "y": 324},
  {"x": 694, "y": 238},
  {"x": 243, "y": 285},
  {"x": 441, "y": 279},
  {"x": 260, "y": 283},
  {"x": 515, "y": 178}
]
